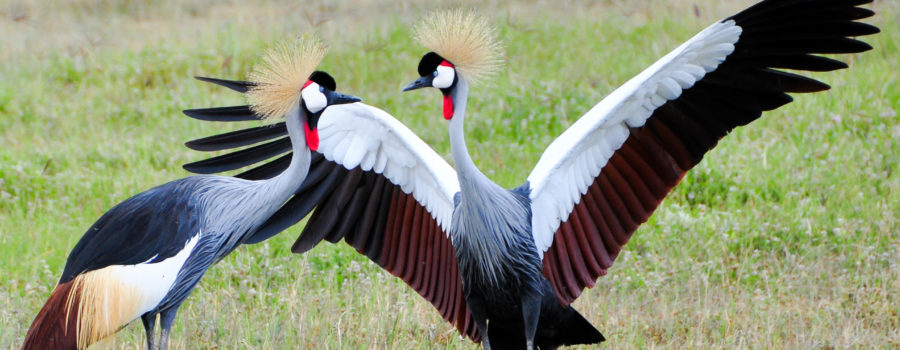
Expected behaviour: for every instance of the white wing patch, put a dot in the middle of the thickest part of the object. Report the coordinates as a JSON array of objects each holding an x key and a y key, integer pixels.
[
  {"x": 572, "y": 162},
  {"x": 357, "y": 134},
  {"x": 111, "y": 297},
  {"x": 154, "y": 280}
]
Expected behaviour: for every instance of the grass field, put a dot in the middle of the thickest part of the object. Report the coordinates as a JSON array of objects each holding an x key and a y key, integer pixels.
[{"x": 785, "y": 236}]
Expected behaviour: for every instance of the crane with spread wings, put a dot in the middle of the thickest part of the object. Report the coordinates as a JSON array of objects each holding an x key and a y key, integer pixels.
[{"x": 503, "y": 265}]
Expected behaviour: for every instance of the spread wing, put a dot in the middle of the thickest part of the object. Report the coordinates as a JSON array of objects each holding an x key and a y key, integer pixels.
[
  {"x": 372, "y": 183},
  {"x": 606, "y": 174}
]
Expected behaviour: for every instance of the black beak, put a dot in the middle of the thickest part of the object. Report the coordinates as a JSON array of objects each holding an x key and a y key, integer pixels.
[
  {"x": 337, "y": 98},
  {"x": 419, "y": 83}
]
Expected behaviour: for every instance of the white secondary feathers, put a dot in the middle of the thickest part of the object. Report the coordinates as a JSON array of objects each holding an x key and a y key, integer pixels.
[
  {"x": 357, "y": 134},
  {"x": 570, "y": 164}
]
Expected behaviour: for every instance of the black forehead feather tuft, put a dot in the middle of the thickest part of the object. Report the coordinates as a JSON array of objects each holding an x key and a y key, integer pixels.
[
  {"x": 323, "y": 79},
  {"x": 429, "y": 63}
]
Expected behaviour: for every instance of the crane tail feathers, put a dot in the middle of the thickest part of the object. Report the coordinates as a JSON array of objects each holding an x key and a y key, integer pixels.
[
  {"x": 54, "y": 326},
  {"x": 83, "y": 311},
  {"x": 575, "y": 329}
]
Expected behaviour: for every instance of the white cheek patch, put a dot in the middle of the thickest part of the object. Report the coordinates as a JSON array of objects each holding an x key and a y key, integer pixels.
[
  {"x": 444, "y": 77},
  {"x": 315, "y": 100}
]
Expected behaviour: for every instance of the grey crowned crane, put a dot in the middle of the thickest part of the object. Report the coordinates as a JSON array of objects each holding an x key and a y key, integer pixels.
[
  {"x": 143, "y": 257},
  {"x": 504, "y": 265}
]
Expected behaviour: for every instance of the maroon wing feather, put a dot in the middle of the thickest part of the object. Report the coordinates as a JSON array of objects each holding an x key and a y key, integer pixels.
[{"x": 397, "y": 233}]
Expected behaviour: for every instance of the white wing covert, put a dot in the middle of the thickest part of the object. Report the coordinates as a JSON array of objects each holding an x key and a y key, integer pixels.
[
  {"x": 584, "y": 148},
  {"x": 361, "y": 135}
]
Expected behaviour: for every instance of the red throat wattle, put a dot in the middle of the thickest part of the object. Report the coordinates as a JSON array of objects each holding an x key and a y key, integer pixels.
[
  {"x": 448, "y": 107},
  {"x": 448, "y": 102},
  {"x": 312, "y": 137}
]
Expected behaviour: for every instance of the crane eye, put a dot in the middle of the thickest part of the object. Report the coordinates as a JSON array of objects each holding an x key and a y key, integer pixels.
[
  {"x": 435, "y": 73},
  {"x": 321, "y": 89}
]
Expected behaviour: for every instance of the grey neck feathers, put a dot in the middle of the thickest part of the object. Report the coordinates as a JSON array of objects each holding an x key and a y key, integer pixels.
[
  {"x": 241, "y": 206},
  {"x": 470, "y": 178},
  {"x": 491, "y": 226},
  {"x": 291, "y": 178}
]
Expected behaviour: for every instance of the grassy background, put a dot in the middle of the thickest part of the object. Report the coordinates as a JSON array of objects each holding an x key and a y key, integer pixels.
[{"x": 786, "y": 236}]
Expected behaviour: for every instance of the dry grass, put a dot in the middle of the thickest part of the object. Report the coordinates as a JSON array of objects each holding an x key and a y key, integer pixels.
[{"x": 784, "y": 237}]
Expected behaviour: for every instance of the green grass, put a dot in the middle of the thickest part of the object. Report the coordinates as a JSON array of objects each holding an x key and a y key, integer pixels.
[{"x": 785, "y": 236}]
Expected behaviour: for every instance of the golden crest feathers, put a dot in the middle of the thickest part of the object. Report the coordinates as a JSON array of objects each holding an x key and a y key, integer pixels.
[
  {"x": 465, "y": 39},
  {"x": 280, "y": 77}
]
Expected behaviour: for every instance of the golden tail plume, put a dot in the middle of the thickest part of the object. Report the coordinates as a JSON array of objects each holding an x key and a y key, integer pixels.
[
  {"x": 54, "y": 326},
  {"x": 83, "y": 311}
]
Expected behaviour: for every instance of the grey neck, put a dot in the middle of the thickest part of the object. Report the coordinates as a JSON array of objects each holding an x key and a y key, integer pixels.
[
  {"x": 490, "y": 229},
  {"x": 470, "y": 178},
  {"x": 241, "y": 206},
  {"x": 284, "y": 185}
]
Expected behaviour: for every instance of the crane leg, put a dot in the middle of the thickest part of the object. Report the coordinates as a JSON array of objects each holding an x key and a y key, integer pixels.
[
  {"x": 531, "y": 314},
  {"x": 482, "y": 327},
  {"x": 479, "y": 313},
  {"x": 166, "y": 318},
  {"x": 149, "y": 321}
]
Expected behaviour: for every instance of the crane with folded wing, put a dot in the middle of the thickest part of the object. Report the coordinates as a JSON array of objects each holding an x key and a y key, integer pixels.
[{"x": 144, "y": 256}]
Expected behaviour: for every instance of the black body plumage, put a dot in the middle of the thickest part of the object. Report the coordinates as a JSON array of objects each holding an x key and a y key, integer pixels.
[
  {"x": 501, "y": 272},
  {"x": 152, "y": 226}
]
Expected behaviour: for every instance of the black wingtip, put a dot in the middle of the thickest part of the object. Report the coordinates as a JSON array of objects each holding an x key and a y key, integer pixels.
[
  {"x": 864, "y": 46},
  {"x": 222, "y": 114},
  {"x": 866, "y": 29},
  {"x": 198, "y": 169},
  {"x": 304, "y": 244},
  {"x": 192, "y": 144},
  {"x": 862, "y": 13},
  {"x": 236, "y": 85},
  {"x": 240, "y": 159},
  {"x": 267, "y": 170},
  {"x": 238, "y": 138}
]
